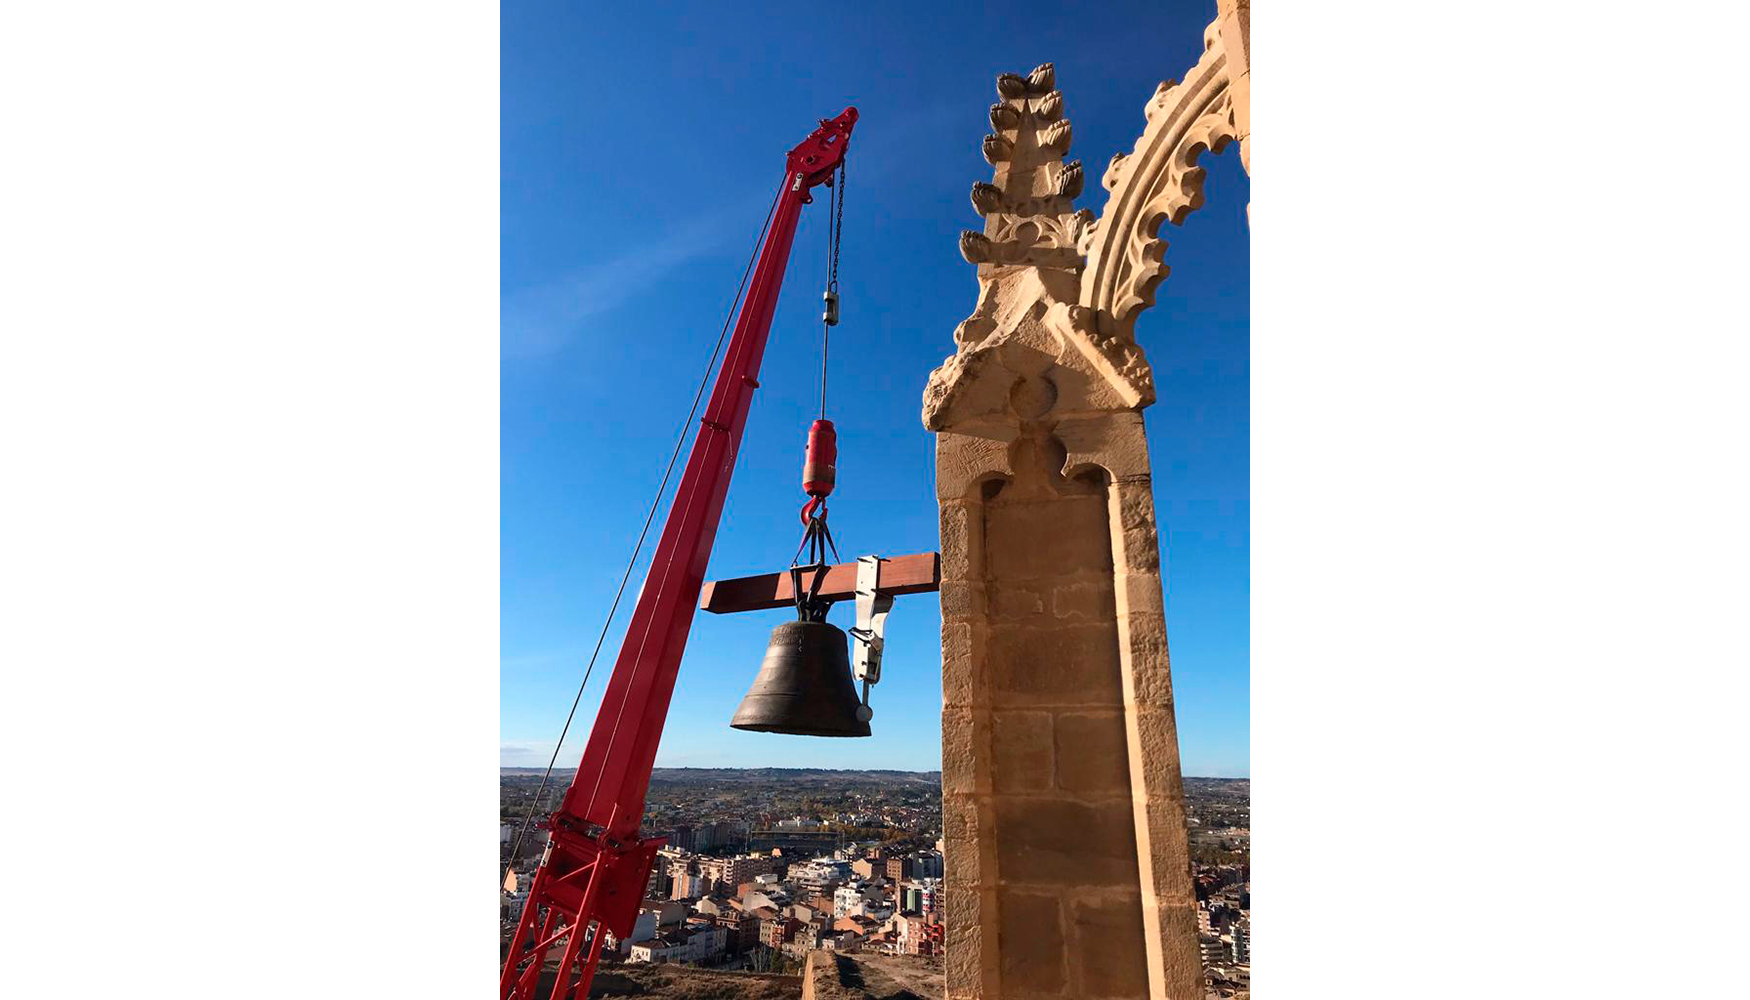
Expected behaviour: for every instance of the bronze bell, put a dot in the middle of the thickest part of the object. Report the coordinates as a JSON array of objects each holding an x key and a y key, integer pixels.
[{"x": 804, "y": 686}]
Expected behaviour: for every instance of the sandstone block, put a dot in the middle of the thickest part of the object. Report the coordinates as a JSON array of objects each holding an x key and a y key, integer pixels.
[
  {"x": 1067, "y": 664},
  {"x": 1031, "y": 942},
  {"x": 959, "y": 824},
  {"x": 964, "y": 461},
  {"x": 1136, "y": 504},
  {"x": 1061, "y": 842},
  {"x": 966, "y": 765},
  {"x": 1178, "y": 923},
  {"x": 1108, "y": 948},
  {"x": 969, "y": 841},
  {"x": 1146, "y": 660},
  {"x": 1046, "y": 538},
  {"x": 1090, "y": 601},
  {"x": 962, "y": 532},
  {"x": 958, "y": 897},
  {"x": 1093, "y": 754},
  {"x": 1157, "y": 748},
  {"x": 962, "y": 600},
  {"x": 1142, "y": 552},
  {"x": 961, "y": 672},
  {"x": 963, "y": 941},
  {"x": 1023, "y": 754},
  {"x": 1169, "y": 855},
  {"x": 1140, "y": 593},
  {"x": 1015, "y": 601}
]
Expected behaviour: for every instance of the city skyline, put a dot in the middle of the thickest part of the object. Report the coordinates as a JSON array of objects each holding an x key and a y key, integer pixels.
[{"x": 762, "y": 867}]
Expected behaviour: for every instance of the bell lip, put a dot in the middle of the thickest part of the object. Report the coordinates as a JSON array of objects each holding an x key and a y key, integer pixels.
[{"x": 754, "y": 727}]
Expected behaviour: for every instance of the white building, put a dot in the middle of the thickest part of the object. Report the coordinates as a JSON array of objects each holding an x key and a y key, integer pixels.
[
  {"x": 817, "y": 874},
  {"x": 693, "y": 943},
  {"x": 777, "y": 899},
  {"x": 643, "y": 929},
  {"x": 847, "y": 898},
  {"x": 687, "y": 884}
]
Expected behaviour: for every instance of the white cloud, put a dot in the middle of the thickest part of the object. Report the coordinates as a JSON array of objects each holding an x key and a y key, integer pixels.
[{"x": 541, "y": 320}]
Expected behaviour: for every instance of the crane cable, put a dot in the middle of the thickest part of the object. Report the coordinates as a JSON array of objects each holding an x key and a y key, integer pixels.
[
  {"x": 655, "y": 502},
  {"x": 816, "y": 537},
  {"x": 815, "y": 508}
]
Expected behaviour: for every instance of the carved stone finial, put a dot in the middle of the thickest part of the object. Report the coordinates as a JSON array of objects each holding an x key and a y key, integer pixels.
[
  {"x": 1027, "y": 321},
  {"x": 1055, "y": 137},
  {"x": 997, "y": 149},
  {"x": 976, "y": 248},
  {"x": 1050, "y": 107},
  {"x": 1114, "y": 172},
  {"x": 1069, "y": 183},
  {"x": 986, "y": 198},
  {"x": 1010, "y": 86},
  {"x": 1162, "y": 96}
]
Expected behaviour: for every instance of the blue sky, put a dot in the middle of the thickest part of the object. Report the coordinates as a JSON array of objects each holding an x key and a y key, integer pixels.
[{"x": 641, "y": 144}]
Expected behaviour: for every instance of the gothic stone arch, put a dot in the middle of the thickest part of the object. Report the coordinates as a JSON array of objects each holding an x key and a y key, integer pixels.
[{"x": 1068, "y": 869}]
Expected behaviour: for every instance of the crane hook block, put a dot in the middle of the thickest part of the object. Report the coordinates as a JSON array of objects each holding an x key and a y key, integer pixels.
[
  {"x": 820, "y": 462},
  {"x": 830, "y": 316}
]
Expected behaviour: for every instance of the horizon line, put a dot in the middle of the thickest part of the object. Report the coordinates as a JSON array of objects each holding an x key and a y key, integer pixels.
[{"x": 776, "y": 767}]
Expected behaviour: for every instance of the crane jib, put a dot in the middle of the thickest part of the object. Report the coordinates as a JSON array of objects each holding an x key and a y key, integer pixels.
[{"x": 596, "y": 865}]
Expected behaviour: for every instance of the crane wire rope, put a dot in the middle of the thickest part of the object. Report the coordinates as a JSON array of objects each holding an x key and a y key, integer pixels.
[
  {"x": 649, "y": 518},
  {"x": 816, "y": 537}
]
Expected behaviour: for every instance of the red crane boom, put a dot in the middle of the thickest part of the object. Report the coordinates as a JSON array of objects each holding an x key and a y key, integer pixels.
[{"x": 596, "y": 865}]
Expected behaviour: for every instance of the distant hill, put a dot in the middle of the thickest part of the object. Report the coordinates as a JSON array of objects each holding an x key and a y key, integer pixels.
[
  {"x": 749, "y": 775},
  {"x": 758, "y": 775}
]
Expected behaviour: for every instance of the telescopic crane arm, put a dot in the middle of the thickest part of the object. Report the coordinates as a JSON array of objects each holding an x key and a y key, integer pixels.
[{"x": 595, "y": 868}]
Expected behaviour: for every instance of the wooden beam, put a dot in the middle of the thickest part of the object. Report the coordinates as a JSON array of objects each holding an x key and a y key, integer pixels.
[{"x": 914, "y": 574}]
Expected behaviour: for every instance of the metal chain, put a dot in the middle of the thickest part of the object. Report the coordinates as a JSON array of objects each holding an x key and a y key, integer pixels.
[
  {"x": 835, "y": 230},
  {"x": 838, "y": 229}
]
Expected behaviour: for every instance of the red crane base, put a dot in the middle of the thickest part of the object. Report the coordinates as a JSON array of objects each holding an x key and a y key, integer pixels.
[{"x": 580, "y": 875}]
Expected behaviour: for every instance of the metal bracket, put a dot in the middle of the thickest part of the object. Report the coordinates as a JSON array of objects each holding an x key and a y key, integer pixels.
[{"x": 870, "y": 630}]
